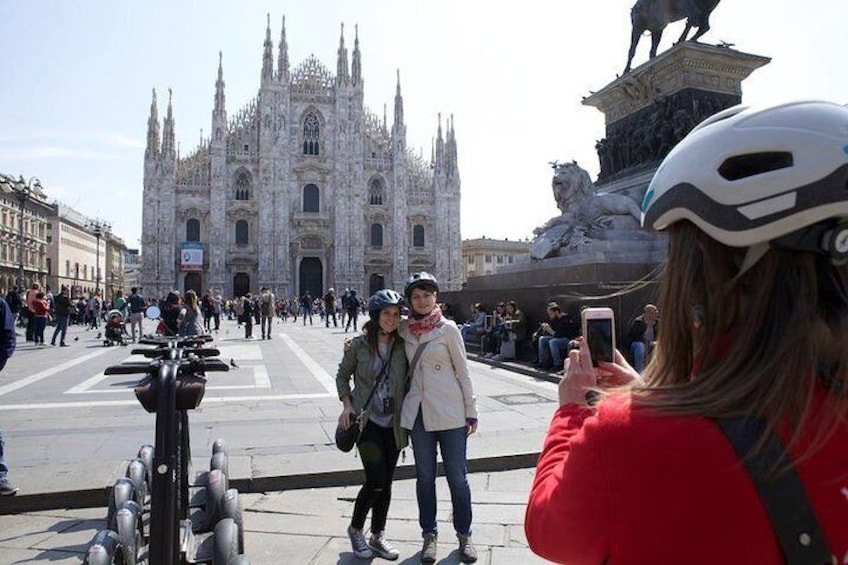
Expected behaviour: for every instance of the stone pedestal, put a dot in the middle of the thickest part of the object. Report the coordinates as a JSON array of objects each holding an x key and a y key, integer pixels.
[
  {"x": 650, "y": 109},
  {"x": 647, "y": 112}
]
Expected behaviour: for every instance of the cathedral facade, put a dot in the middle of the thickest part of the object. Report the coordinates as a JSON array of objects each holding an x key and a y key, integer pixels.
[{"x": 302, "y": 189}]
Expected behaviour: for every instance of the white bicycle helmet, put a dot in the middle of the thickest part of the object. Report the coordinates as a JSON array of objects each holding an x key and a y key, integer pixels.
[{"x": 760, "y": 177}]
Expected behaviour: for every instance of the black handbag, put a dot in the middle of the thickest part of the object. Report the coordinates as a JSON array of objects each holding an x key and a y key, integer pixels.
[{"x": 346, "y": 439}]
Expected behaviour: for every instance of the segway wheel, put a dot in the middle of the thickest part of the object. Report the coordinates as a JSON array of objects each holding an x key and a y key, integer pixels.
[
  {"x": 226, "y": 543},
  {"x": 130, "y": 531},
  {"x": 231, "y": 508},
  {"x": 216, "y": 489},
  {"x": 103, "y": 549},
  {"x": 220, "y": 461},
  {"x": 219, "y": 445}
]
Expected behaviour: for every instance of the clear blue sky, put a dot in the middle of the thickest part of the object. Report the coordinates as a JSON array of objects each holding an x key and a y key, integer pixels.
[{"x": 77, "y": 79}]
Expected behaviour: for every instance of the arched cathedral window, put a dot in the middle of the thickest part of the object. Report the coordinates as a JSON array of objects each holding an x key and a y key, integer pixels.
[
  {"x": 375, "y": 192},
  {"x": 192, "y": 230},
  {"x": 418, "y": 235},
  {"x": 242, "y": 232},
  {"x": 242, "y": 185},
  {"x": 311, "y": 198},
  {"x": 376, "y": 235},
  {"x": 311, "y": 134}
]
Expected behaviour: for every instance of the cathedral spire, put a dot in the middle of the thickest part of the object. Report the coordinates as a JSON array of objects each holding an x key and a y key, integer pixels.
[
  {"x": 451, "y": 149},
  {"x": 152, "y": 150},
  {"x": 283, "y": 57},
  {"x": 268, "y": 55},
  {"x": 356, "y": 69},
  {"x": 440, "y": 147},
  {"x": 398, "y": 103},
  {"x": 220, "y": 98},
  {"x": 342, "y": 75},
  {"x": 168, "y": 130},
  {"x": 385, "y": 126}
]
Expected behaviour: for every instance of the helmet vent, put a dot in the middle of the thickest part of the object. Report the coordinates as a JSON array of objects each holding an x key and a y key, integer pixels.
[{"x": 744, "y": 166}]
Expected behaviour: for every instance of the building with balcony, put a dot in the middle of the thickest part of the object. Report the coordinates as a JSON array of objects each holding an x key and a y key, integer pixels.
[
  {"x": 36, "y": 260},
  {"x": 483, "y": 256}
]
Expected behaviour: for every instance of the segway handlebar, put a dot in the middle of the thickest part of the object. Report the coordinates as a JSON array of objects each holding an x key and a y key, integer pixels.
[
  {"x": 129, "y": 368},
  {"x": 160, "y": 352}
]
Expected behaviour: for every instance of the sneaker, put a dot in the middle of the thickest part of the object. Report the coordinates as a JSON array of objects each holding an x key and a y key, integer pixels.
[
  {"x": 358, "y": 544},
  {"x": 428, "y": 551},
  {"x": 7, "y": 487},
  {"x": 63, "y": 344},
  {"x": 381, "y": 547},
  {"x": 467, "y": 551}
]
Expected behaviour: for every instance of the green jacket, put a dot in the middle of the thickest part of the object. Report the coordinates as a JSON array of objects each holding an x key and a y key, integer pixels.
[{"x": 357, "y": 363}]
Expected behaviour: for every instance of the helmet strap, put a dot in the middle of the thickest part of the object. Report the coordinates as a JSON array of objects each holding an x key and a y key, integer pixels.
[{"x": 754, "y": 254}]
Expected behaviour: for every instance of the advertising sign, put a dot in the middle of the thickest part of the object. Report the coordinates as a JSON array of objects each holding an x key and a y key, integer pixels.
[{"x": 191, "y": 256}]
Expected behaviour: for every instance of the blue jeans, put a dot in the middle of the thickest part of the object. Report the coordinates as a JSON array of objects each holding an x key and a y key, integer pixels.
[
  {"x": 61, "y": 328},
  {"x": 3, "y": 468},
  {"x": 557, "y": 345},
  {"x": 452, "y": 445},
  {"x": 637, "y": 349}
]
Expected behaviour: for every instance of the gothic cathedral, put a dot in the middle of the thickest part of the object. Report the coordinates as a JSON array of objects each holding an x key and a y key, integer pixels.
[{"x": 303, "y": 189}]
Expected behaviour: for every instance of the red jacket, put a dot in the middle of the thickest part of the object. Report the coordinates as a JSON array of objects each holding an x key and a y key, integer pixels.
[{"x": 627, "y": 486}]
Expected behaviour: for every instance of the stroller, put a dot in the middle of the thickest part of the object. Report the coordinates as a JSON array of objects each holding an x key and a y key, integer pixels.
[{"x": 116, "y": 329}]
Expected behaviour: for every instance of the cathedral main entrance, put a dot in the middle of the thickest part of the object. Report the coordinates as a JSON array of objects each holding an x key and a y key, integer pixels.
[
  {"x": 192, "y": 282},
  {"x": 241, "y": 284},
  {"x": 311, "y": 277},
  {"x": 376, "y": 283}
]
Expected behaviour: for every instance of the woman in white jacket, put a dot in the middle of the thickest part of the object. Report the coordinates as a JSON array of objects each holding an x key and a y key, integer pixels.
[{"x": 440, "y": 408}]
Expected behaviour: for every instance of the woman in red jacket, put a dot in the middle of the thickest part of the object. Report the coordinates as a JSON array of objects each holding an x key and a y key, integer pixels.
[{"x": 755, "y": 313}]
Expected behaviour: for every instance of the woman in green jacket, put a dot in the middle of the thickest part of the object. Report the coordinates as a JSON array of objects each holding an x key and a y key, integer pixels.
[{"x": 382, "y": 437}]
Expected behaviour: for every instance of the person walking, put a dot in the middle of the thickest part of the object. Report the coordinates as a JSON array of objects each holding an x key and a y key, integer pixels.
[
  {"x": 136, "y": 307},
  {"x": 266, "y": 311},
  {"x": 306, "y": 307},
  {"x": 351, "y": 306},
  {"x": 376, "y": 358},
  {"x": 40, "y": 313},
  {"x": 734, "y": 449},
  {"x": 63, "y": 308},
  {"x": 8, "y": 341},
  {"x": 440, "y": 409},
  {"x": 330, "y": 307},
  {"x": 247, "y": 315}
]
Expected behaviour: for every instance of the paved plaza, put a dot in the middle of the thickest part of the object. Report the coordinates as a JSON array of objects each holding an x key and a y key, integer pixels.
[{"x": 70, "y": 431}]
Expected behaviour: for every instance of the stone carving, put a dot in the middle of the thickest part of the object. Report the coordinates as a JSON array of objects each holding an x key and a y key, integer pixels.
[
  {"x": 655, "y": 15},
  {"x": 583, "y": 213},
  {"x": 646, "y": 137}
]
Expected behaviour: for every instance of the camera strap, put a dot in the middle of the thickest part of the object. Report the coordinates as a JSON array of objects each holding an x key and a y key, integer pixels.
[
  {"x": 383, "y": 371},
  {"x": 783, "y": 494}
]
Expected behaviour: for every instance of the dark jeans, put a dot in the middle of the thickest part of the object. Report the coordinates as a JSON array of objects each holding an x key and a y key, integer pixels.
[
  {"x": 351, "y": 317},
  {"x": 267, "y": 322},
  {"x": 331, "y": 312},
  {"x": 379, "y": 455},
  {"x": 248, "y": 326},
  {"x": 61, "y": 327},
  {"x": 30, "y": 327},
  {"x": 39, "y": 323},
  {"x": 452, "y": 444}
]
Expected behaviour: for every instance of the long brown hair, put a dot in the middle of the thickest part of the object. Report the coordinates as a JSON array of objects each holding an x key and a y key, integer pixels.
[{"x": 766, "y": 338}]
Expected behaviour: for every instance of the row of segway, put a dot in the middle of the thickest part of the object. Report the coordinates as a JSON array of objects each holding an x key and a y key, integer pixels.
[{"x": 160, "y": 513}]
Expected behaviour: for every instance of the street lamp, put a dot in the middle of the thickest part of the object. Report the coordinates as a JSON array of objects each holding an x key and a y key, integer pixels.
[
  {"x": 23, "y": 192},
  {"x": 98, "y": 228}
]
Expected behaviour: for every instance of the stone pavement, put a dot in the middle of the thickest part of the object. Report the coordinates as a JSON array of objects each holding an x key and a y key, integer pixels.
[
  {"x": 69, "y": 434},
  {"x": 308, "y": 526}
]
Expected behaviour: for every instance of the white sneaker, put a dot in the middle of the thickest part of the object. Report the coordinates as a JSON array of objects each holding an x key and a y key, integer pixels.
[
  {"x": 358, "y": 544},
  {"x": 381, "y": 547}
]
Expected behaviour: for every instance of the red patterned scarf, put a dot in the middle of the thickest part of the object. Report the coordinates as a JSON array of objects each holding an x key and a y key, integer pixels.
[{"x": 420, "y": 326}]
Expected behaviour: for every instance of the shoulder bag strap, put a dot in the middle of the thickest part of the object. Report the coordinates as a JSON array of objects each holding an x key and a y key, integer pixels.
[
  {"x": 784, "y": 497},
  {"x": 383, "y": 371},
  {"x": 415, "y": 359}
]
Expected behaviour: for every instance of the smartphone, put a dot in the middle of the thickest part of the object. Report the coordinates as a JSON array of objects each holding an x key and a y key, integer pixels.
[{"x": 599, "y": 332}]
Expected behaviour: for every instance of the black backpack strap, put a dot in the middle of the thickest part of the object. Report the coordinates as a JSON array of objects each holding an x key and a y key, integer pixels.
[{"x": 783, "y": 495}]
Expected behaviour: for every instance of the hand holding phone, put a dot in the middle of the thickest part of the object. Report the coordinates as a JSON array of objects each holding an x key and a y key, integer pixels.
[{"x": 599, "y": 333}]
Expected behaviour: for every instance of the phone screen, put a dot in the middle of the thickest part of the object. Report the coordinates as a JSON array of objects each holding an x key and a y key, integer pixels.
[{"x": 599, "y": 338}]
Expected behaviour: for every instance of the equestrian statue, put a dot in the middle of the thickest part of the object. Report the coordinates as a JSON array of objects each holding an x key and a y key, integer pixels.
[{"x": 655, "y": 15}]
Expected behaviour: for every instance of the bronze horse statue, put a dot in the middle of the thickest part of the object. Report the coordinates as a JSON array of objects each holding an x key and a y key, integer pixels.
[{"x": 655, "y": 15}]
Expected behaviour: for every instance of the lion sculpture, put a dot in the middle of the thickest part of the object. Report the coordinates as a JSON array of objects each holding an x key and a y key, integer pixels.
[{"x": 583, "y": 212}]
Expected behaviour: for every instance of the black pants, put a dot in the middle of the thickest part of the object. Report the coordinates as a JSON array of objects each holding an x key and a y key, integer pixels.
[
  {"x": 352, "y": 315},
  {"x": 379, "y": 454}
]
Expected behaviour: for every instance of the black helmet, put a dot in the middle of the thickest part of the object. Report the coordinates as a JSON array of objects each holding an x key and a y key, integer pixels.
[
  {"x": 416, "y": 280},
  {"x": 382, "y": 299}
]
